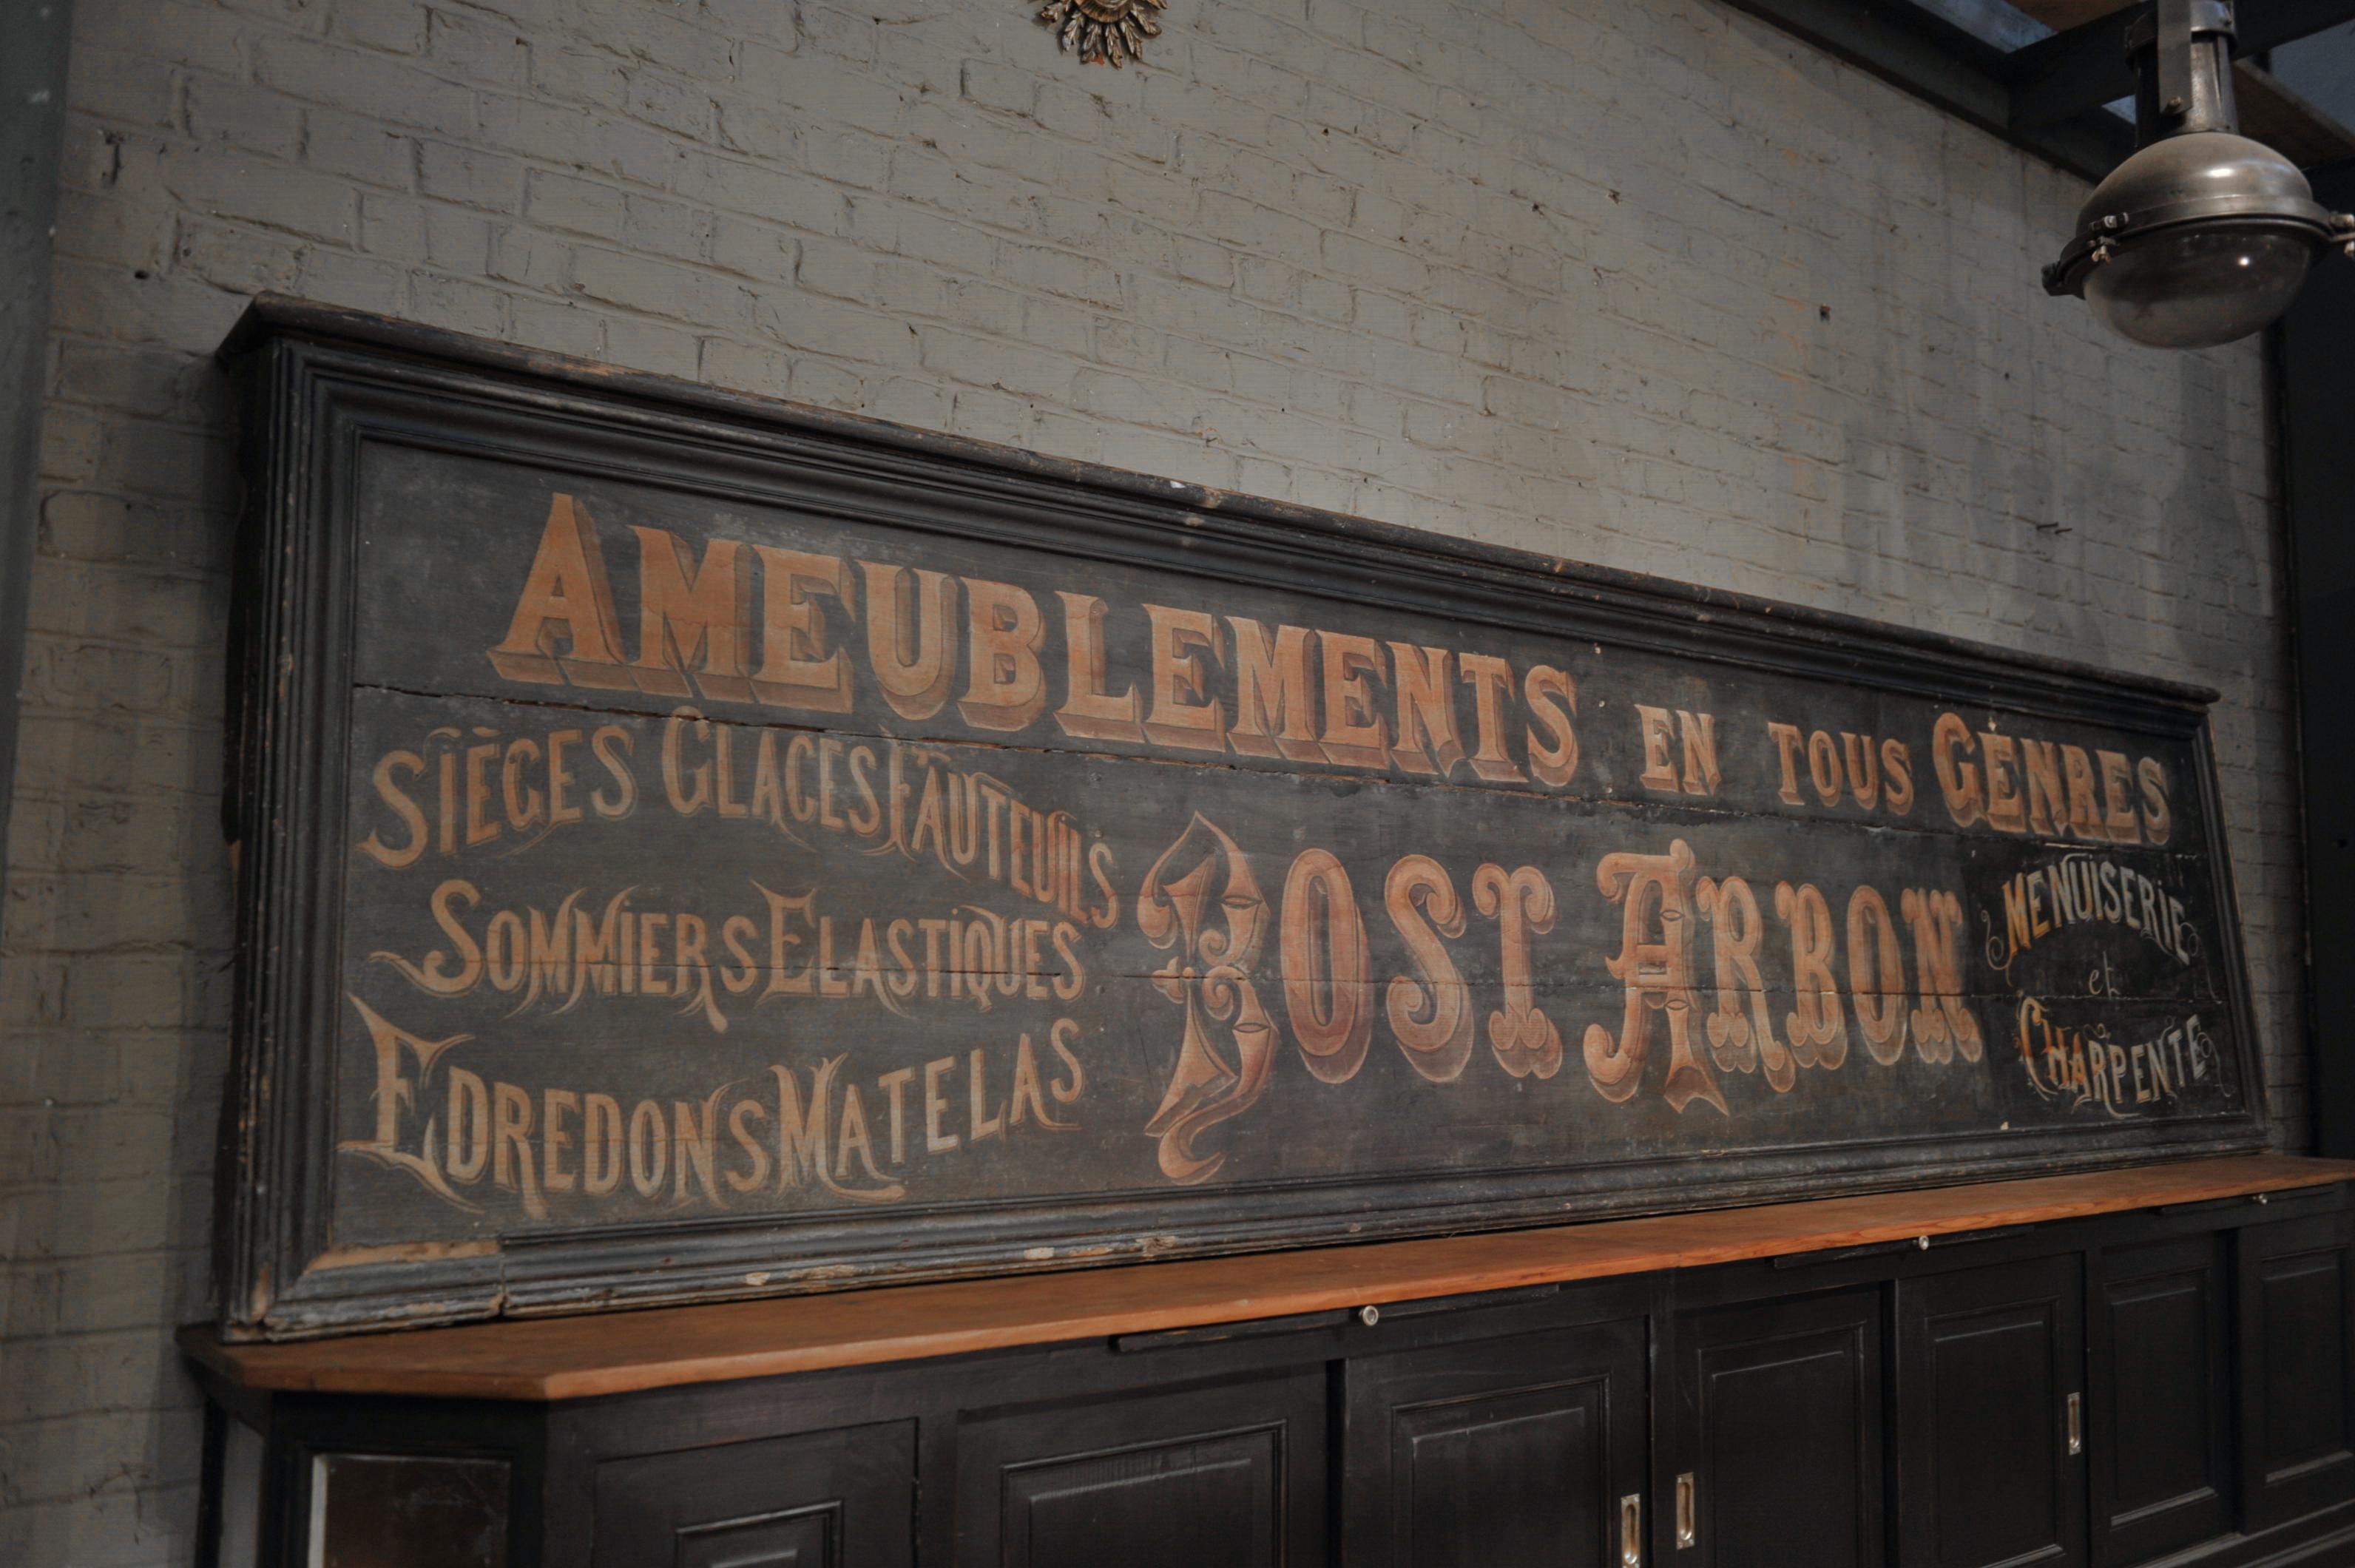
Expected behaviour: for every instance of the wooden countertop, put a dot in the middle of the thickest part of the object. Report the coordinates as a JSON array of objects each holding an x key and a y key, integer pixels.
[{"x": 571, "y": 1358}]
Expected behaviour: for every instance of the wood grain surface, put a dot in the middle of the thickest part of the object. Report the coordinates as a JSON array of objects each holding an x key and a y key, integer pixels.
[
  {"x": 695, "y": 851},
  {"x": 572, "y": 1358}
]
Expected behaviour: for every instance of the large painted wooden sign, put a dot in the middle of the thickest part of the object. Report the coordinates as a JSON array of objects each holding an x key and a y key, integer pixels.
[{"x": 694, "y": 847}]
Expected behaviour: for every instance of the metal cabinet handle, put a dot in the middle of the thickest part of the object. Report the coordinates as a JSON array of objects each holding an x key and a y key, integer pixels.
[
  {"x": 2076, "y": 1424},
  {"x": 1631, "y": 1532},
  {"x": 1685, "y": 1532}
]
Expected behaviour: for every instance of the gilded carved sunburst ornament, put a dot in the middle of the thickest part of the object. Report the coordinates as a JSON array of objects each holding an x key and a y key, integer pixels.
[{"x": 1112, "y": 31}]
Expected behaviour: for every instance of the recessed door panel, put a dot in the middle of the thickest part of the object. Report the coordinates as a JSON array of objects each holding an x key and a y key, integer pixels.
[
  {"x": 825, "y": 1499},
  {"x": 2297, "y": 1455},
  {"x": 1779, "y": 1420},
  {"x": 1232, "y": 1475},
  {"x": 2159, "y": 1423},
  {"x": 1512, "y": 1450},
  {"x": 1990, "y": 1415}
]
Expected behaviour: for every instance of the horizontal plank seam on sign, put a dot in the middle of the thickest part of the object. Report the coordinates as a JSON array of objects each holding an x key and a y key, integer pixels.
[
  {"x": 1679, "y": 810},
  {"x": 558, "y": 1359}
]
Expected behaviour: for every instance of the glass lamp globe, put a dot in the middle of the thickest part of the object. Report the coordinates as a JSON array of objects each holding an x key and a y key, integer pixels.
[
  {"x": 2196, "y": 239},
  {"x": 2199, "y": 288}
]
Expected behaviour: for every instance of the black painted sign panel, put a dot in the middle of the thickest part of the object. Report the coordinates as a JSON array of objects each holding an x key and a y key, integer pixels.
[{"x": 696, "y": 847}]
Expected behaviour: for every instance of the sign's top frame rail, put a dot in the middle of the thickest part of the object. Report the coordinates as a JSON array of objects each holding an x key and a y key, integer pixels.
[{"x": 1727, "y": 612}]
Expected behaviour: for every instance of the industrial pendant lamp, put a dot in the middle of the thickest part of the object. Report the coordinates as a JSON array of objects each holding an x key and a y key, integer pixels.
[{"x": 2202, "y": 236}]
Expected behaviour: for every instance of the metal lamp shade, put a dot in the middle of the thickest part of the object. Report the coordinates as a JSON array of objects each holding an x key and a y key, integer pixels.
[{"x": 2196, "y": 239}]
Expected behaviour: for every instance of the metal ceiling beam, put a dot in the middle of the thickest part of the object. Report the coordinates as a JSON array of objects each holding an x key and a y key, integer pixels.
[
  {"x": 1898, "y": 40},
  {"x": 2046, "y": 98},
  {"x": 1930, "y": 57},
  {"x": 2064, "y": 76},
  {"x": 2277, "y": 116}
]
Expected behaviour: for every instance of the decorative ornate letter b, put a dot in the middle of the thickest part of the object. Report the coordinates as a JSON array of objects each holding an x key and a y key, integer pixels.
[{"x": 1201, "y": 898}]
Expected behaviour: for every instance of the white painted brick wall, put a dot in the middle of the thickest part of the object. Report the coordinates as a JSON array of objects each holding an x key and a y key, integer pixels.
[{"x": 1641, "y": 283}]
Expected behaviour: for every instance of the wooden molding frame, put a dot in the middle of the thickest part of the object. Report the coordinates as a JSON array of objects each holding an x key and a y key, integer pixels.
[{"x": 323, "y": 384}]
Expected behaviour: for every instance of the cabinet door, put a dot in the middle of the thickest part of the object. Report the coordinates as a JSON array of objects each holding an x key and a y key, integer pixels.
[
  {"x": 2295, "y": 1364},
  {"x": 2159, "y": 1416},
  {"x": 1779, "y": 1426},
  {"x": 826, "y": 1499},
  {"x": 1989, "y": 1360},
  {"x": 1231, "y": 1474},
  {"x": 1508, "y": 1450}
]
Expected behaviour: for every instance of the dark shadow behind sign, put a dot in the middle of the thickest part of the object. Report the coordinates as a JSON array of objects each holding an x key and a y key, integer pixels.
[{"x": 695, "y": 846}]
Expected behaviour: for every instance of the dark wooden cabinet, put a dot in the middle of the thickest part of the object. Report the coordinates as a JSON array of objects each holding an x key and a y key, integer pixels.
[
  {"x": 2159, "y": 1415},
  {"x": 1229, "y": 1475},
  {"x": 2298, "y": 1440},
  {"x": 1905, "y": 1403},
  {"x": 1528, "y": 1449},
  {"x": 828, "y": 1499},
  {"x": 1990, "y": 1417},
  {"x": 1778, "y": 1422}
]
